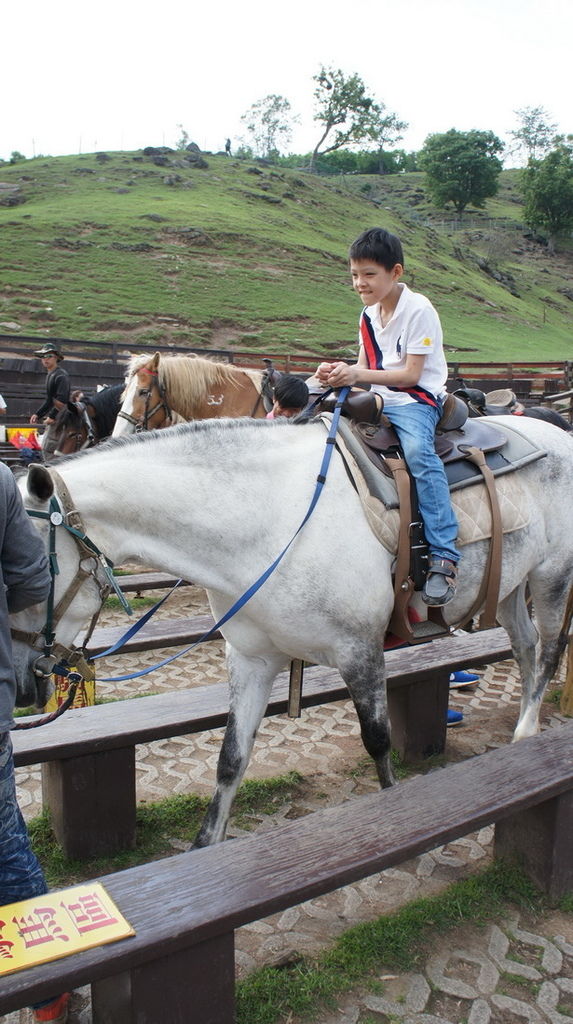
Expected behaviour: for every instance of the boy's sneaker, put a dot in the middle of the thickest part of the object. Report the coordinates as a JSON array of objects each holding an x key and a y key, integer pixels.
[
  {"x": 55, "y": 1012},
  {"x": 440, "y": 585},
  {"x": 463, "y": 678},
  {"x": 454, "y": 717}
]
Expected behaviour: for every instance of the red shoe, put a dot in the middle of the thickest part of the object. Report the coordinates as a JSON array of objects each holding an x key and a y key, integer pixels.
[{"x": 56, "y": 1012}]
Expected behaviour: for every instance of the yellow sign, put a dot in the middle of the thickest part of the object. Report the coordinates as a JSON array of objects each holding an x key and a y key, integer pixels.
[
  {"x": 58, "y": 924},
  {"x": 85, "y": 693}
]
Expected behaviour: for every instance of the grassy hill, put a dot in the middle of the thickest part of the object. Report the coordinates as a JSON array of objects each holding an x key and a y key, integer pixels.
[{"x": 242, "y": 256}]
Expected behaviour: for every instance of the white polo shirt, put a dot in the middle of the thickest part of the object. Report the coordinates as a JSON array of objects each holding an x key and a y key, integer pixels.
[{"x": 415, "y": 329}]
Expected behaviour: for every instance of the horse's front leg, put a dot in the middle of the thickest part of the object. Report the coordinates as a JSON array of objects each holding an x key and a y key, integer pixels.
[
  {"x": 250, "y": 684},
  {"x": 364, "y": 673}
]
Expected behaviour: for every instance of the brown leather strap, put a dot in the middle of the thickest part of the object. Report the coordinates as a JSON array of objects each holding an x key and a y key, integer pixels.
[
  {"x": 489, "y": 589},
  {"x": 403, "y": 582}
]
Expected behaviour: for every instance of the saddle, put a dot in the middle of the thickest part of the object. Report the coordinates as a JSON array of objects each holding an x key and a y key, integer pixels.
[
  {"x": 473, "y": 452},
  {"x": 496, "y": 403}
]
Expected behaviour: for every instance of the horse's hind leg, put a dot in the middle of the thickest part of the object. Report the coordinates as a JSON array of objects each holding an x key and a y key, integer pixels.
[
  {"x": 365, "y": 677},
  {"x": 250, "y": 684},
  {"x": 537, "y": 645}
]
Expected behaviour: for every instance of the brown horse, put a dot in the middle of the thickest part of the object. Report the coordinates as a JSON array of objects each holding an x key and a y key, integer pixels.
[{"x": 193, "y": 387}]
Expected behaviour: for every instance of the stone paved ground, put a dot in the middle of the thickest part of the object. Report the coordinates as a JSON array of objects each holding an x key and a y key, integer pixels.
[{"x": 463, "y": 980}]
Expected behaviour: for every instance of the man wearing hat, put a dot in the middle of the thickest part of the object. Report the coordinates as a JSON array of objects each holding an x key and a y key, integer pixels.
[{"x": 57, "y": 394}]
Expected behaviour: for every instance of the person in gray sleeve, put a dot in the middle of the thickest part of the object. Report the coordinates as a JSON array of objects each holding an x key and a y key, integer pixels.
[{"x": 24, "y": 581}]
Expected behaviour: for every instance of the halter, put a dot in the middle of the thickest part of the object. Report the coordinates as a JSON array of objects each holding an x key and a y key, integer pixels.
[
  {"x": 93, "y": 564},
  {"x": 143, "y": 422}
]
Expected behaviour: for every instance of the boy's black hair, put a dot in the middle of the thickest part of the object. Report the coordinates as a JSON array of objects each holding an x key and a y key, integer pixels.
[
  {"x": 291, "y": 392},
  {"x": 379, "y": 246}
]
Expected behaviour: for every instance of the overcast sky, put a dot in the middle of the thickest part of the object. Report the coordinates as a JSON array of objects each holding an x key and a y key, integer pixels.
[{"x": 122, "y": 75}]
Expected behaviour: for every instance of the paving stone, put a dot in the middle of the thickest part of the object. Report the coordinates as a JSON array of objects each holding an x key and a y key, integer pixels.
[{"x": 325, "y": 746}]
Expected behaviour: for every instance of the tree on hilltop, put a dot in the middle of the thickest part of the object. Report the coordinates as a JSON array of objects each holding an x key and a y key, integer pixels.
[
  {"x": 461, "y": 168},
  {"x": 269, "y": 122},
  {"x": 349, "y": 116},
  {"x": 535, "y": 135},
  {"x": 547, "y": 187}
]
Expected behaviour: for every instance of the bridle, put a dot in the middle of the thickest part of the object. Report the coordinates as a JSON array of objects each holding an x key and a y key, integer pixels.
[
  {"x": 93, "y": 565},
  {"x": 142, "y": 422}
]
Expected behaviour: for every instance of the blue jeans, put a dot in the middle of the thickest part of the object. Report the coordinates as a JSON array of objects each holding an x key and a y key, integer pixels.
[
  {"x": 21, "y": 876},
  {"x": 415, "y": 425}
]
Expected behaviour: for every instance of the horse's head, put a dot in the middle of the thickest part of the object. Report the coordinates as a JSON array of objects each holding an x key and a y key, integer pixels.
[
  {"x": 48, "y": 633},
  {"x": 144, "y": 405},
  {"x": 74, "y": 429}
]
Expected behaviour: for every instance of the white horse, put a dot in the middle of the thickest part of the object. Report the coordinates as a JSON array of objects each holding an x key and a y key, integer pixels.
[{"x": 217, "y": 501}]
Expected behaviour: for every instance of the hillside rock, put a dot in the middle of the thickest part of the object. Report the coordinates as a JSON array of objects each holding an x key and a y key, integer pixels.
[{"x": 11, "y": 195}]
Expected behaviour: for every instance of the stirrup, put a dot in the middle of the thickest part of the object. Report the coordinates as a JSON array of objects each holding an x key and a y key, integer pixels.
[{"x": 440, "y": 585}]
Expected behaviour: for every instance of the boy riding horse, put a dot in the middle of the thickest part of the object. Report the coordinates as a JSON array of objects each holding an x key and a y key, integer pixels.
[{"x": 402, "y": 358}]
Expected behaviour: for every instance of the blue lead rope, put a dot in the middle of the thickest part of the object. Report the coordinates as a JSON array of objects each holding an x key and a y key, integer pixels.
[{"x": 241, "y": 601}]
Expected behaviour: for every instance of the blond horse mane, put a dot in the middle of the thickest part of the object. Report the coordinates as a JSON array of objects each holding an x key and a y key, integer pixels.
[{"x": 186, "y": 380}]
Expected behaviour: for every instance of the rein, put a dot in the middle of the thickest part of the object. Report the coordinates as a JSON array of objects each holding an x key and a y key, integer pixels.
[
  {"x": 71, "y": 521},
  {"x": 252, "y": 590}
]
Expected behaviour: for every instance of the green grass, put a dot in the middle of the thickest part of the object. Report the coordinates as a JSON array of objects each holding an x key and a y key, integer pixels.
[
  {"x": 158, "y": 827},
  {"x": 397, "y": 941},
  {"x": 264, "y": 267},
  {"x": 112, "y": 603}
]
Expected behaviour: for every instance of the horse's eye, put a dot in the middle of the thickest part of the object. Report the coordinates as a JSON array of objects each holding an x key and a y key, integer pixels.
[{"x": 144, "y": 392}]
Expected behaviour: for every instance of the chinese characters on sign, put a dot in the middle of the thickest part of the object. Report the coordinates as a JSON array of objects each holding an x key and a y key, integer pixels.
[{"x": 57, "y": 924}]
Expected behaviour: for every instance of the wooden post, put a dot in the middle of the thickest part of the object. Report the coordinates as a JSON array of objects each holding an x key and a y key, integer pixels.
[
  {"x": 567, "y": 692},
  {"x": 190, "y": 986},
  {"x": 541, "y": 839},
  {"x": 418, "y": 716},
  {"x": 295, "y": 687},
  {"x": 92, "y": 801}
]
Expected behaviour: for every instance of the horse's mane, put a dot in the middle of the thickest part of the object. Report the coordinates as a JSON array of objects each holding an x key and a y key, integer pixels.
[{"x": 187, "y": 379}]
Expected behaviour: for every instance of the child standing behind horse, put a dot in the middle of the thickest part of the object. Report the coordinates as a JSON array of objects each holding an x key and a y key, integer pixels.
[{"x": 401, "y": 356}]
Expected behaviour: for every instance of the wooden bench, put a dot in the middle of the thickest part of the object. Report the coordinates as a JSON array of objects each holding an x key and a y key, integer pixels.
[
  {"x": 179, "y": 966},
  {"x": 139, "y": 581},
  {"x": 88, "y": 755},
  {"x": 156, "y": 633}
]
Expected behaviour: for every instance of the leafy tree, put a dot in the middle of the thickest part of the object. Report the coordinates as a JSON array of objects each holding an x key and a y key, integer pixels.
[
  {"x": 269, "y": 122},
  {"x": 547, "y": 187},
  {"x": 535, "y": 134},
  {"x": 349, "y": 116},
  {"x": 461, "y": 168},
  {"x": 183, "y": 140},
  {"x": 16, "y": 157},
  {"x": 389, "y": 132}
]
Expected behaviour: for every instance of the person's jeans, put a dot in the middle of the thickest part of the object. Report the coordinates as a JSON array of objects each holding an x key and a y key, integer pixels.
[
  {"x": 21, "y": 876},
  {"x": 415, "y": 425}
]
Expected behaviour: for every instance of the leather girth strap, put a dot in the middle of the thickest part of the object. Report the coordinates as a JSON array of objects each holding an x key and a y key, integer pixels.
[
  {"x": 403, "y": 583},
  {"x": 489, "y": 590}
]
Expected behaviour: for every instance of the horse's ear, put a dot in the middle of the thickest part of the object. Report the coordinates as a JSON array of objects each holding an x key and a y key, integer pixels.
[
  {"x": 40, "y": 483},
  {"x": 155, "y": 362}
]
